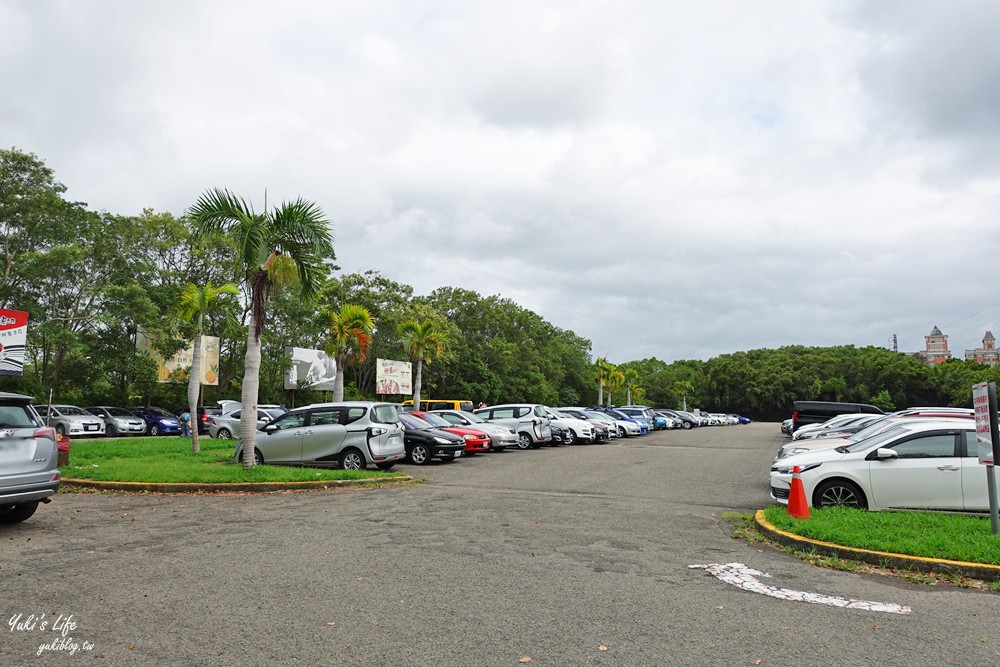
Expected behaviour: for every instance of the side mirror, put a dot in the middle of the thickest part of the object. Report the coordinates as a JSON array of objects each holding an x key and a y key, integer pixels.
[
  {"x": 882, "y": 454},
  {"x": 270, "y": 428}
]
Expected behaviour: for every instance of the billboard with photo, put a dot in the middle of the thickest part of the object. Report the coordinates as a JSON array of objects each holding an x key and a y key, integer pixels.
[
  {"x": 181, "y": 360},
  {"x": 310, "y": 369},
  {"x": 13, "y": 337},
  {"x": 393, "y": 377}
]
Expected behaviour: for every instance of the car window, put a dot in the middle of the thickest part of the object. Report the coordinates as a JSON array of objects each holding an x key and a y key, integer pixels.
[
  {"x": 971, "y": 445},
  {"x": 450, "y": 418},
  {"x": 324, "y": 416},
  {"x": 503, "y": 413},
  {"x": 234, "y": 415},
  {"x": 435, "y": 420},
  {"x": 413, "y": 423},
  {"x": 439, "y": 405},
  {"x": 540, "y": 411},
  {"x": 385, "y": 414},
  {"x": 290, "y": 420},
  {"x": 928, "y": 446},
  {"x": 15, "y": 415},
  {"x": 877, "y": 439},
  {"x": 355, "y": 413}
]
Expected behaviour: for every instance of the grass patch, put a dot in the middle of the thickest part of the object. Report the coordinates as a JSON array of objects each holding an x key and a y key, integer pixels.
[
  {"x": 926, "y": 534},
  {"x": 170, "y": 459}
]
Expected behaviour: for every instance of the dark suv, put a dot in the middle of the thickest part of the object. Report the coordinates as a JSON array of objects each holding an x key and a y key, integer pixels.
[{"x": 28, "y": 459}]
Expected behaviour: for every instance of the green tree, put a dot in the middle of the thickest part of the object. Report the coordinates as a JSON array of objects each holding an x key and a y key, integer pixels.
[
  {"x": 197, "y": 303},
  {"x": 350, "y": 336},
  {"x": 287, "y": 244},
  {"x": 632, "y": 383},
  {"x": 425, "y": 343},
  {"x": 684, "y": 388}
]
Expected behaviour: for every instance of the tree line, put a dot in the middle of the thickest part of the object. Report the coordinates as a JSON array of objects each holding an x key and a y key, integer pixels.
[{"x": 92, "y": 280}]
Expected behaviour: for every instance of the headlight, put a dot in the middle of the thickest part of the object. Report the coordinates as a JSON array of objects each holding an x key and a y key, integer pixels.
[
  {"x": 787, "y": 469},
  {"x": 441, "y": 441},
  {"x": 469, "y": 436},
  {"x": 121, "y": 423}
]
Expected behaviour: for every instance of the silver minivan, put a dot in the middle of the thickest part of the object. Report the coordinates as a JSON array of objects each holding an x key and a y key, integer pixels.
[
  {"x": 351, "y": 435},
  {"x": 530, "y": 420}
]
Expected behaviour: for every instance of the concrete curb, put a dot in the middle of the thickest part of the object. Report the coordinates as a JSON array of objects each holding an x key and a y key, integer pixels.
[
  {"x": 241, "y": 487},
  {"x": 879, "y": 558}
]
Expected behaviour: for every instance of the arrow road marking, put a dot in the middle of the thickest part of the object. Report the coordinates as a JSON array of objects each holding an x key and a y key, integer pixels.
[{"x": 745, "y": 578}]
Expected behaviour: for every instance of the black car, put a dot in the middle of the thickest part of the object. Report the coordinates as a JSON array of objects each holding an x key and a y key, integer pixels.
[
  {"x": 686, "y": 420},
  {"x": 423, "y": 442},
  {"x": 559, "y": 435},
  {"x": 205, "y": 415}
]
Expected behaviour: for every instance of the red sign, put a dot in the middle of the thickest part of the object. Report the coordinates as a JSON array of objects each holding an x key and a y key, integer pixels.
[
  {"x": 13, "y": 337},
  {"x": 984, "y": 425}
]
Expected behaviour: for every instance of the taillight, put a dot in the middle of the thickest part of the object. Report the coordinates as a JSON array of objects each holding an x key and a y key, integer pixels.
[
  {"x": 45, "y": 432},
  {"x": 795, "y": 418}
]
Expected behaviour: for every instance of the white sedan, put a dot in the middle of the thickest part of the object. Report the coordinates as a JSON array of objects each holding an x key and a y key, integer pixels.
[{"x": 916, "y": 464}]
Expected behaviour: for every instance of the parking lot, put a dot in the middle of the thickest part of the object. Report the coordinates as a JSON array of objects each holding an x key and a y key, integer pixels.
[{"x": 570, "y": 556}]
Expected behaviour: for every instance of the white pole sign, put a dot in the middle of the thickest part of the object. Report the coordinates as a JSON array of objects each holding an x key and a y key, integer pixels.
[{"x": 984, "y": 426}]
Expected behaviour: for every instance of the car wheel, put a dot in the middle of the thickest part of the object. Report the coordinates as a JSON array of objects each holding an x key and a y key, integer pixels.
[
  {"x": 687, "y": 425},
  {"x": 570, "y": 437},
  {"x": 111, "y": 431},
  {"x": 18, "y": 513},
  {"x": 154, "y": 430},
  {"x": 352, "y": 459},
  {"x": 60, "y": 429},
  {"x": 420, "y": 455},
  {"x": 223, "y": 434},
  {"x": 258, "y": 458},
  {"x": 524, "y": 441},
  {"x": 839, "y": 493},
  {"x": 622, "y": 433},
  {"x": 385, "y": 466}
]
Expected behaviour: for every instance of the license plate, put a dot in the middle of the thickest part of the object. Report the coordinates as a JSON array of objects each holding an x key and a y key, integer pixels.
[
  {"x": 457, "y": 454},
  {"x": 90, "y": 427},
  {"x": 394, "y": 440},
  {"x": 13, "y": 451}
]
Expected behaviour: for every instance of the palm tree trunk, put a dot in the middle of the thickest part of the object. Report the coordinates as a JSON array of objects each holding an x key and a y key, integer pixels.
[
  {"x": 600, "y": 391},
  {"x": 628, "y": 396},
  {"x": 417, "y": 381},
  {"x": 194, "y": 389},
  {"x": 338, "y": 384},
  {"x": 251, "y": 387}
]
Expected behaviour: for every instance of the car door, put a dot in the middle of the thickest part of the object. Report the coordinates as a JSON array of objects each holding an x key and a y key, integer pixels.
[
  {"x": 323, "y": 436},
  {"x": 283, "y": 443},
  {"x": 925, "y": 474},
  {"x": 975, "y": 494}
]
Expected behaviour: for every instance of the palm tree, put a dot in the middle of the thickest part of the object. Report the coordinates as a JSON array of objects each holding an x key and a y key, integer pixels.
[
  {"x": 196, "y": 303},
  {"x": 614, "y": 381},
  {"x": 603, "y": 369},
  {"x": 685, "y": 389},
  {"x": 289, "y": 243},
  {"x": 351, "y": 331},
  {"x": 631, "y": 383},
  {"x": 425, "y": 344}
]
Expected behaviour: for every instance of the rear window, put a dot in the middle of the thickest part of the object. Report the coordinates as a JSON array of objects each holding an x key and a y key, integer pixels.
[
  {"x": 385, "y": 414},
  {"x": 465, "y": 405},
  {"x": 15, "y": 416},
  {"x": 503, "y": 413}
]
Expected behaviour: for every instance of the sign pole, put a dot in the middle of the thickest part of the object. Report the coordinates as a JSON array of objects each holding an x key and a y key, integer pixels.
[{"x": 991, "y": 480}]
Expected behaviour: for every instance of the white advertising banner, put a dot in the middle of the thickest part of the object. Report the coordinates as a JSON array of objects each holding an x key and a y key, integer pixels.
[
  {"x": 182, "y": 360},
  {"x": 393, "y": 377},
  {"x": 311, "y": 369}
]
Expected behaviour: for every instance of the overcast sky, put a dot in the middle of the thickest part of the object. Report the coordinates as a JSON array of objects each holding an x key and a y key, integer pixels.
[{"x": 668, "y": 179}]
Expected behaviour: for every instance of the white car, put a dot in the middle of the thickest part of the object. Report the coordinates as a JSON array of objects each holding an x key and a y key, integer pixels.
[
  {"x": 914, "y": 464},
  {"x": 829, "y": 425},
  {"x": 577, "y": 430}
]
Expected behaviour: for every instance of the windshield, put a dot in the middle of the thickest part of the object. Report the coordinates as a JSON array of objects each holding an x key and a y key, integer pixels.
[
  {"x": 159, "y": 412},
  {"x": 119, "y": 412},
  {"x": 434, "y": 420},
  {"x": 414, "y": 423},
  {"x": 471, "y": 417},
  {"x": 599, "y": 415},
  {"x": 71, "y": 410},
  {"x": 875, "y": 427},
  {"x": 876, "y": 440}
]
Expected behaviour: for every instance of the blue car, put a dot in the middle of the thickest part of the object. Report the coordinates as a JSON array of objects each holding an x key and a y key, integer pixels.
[
  {"x": 741, "y": 418},
  {"x": 645, "y": 425},
  {"x": 158, "y": 421}
]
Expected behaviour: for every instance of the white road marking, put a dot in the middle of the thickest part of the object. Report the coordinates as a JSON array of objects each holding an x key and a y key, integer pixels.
[{"x": 745, "y": 578}]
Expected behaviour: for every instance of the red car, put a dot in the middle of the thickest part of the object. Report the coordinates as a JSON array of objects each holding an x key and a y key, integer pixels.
[{"x": 475, "y": 441}]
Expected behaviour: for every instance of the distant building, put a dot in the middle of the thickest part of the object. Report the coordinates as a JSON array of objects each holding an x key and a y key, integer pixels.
[
  {"x": 935, "y": 348},
  {"x": 987, "y": 354}
]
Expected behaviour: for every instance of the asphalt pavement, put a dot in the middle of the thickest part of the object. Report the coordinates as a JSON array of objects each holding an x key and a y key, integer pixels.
[{"x": 568, "y": 556}]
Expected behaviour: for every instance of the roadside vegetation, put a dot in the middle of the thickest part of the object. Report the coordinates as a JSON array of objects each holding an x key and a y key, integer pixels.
[
  {"x": 167, "y": 459},
  {"x": 927, "y": 534}
]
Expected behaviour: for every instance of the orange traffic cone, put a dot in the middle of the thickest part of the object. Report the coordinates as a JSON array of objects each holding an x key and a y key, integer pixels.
[{"x": 797, "y": 505}]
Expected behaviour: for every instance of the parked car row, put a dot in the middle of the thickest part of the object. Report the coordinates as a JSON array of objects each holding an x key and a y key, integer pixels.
[{"x": 918, "y": 458}]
